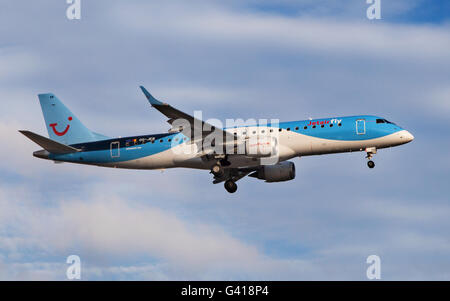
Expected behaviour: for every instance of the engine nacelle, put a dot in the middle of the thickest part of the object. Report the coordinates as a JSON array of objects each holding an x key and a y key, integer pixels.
[
  {"x": 262, "y": 146},
  {"x": 283, "y": 171}
]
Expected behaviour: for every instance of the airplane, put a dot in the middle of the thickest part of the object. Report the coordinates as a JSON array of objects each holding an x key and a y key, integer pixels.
[{"x": 71, "y": 141}]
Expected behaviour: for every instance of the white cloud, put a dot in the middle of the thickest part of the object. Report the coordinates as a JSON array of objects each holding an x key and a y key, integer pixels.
[
  {"x": 119, "y": 238},
  {"x": 31, "y": 271},
  {"x": 15, "y": 64},
  {"x": 107, "y": 227},
  {"x": 383, "y": 40}
]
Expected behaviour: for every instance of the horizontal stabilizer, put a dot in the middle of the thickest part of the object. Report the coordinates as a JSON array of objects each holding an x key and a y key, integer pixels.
[{"x": 49, "y": 145}]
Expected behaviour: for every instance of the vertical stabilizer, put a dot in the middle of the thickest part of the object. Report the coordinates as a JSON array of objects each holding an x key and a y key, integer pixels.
[{"x": 62, "y": 125}]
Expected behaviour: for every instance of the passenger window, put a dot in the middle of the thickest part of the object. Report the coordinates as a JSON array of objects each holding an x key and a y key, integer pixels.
[
  {"x": 305, "y": 127},
  {"x": 322, "y": 126},
  {"x": 314, "y": 126},
  {"x": 280, "y": 130},
  {"x": 339, "y": 124},
  {"x": 263, "y": 131},
  {"x": 331, "y": 125},
  {"x": 161, "y": 140},
  {"x": 271, "y": 130},
  {"x": 288, "y": 129},
  {"x": 296, "y": 128}
]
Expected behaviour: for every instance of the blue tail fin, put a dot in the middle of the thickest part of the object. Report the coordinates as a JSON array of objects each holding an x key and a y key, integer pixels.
[{"x": 62, "y": 125}]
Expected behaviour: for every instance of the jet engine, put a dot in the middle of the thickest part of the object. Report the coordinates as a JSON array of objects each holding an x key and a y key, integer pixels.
[{"x": 283, "y": 171}]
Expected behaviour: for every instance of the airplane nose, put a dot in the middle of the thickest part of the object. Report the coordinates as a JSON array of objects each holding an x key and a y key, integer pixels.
[
  {"x": 409, "y": 137},
  {"x": 406, "y": 136}
]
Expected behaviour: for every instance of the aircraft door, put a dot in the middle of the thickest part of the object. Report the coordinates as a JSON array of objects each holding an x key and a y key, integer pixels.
[
  {"x": 115, "y": 149},
  {"x": 360, "y": 127}
]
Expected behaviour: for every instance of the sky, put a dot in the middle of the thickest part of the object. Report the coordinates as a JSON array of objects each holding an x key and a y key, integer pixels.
[{"x": 286, "y": 59}]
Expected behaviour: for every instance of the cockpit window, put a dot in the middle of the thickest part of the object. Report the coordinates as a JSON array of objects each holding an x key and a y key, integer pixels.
[{"x": 384, "y": 121}]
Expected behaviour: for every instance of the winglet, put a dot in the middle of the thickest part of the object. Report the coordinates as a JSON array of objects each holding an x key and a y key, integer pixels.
[{"x": 153, "y": 101}]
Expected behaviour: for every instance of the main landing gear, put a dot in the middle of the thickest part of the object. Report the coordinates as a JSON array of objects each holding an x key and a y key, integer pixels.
[
  {"x": 222, "y": 174},
  {"x": 370, "y": 152},
  {"x": 230, "y": 186},
  {"x": 217, "y": 170},
  {"x": 219, "y": 174}
]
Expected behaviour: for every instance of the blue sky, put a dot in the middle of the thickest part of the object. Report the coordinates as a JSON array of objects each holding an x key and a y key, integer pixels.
[{"x": 236, "y": 59}]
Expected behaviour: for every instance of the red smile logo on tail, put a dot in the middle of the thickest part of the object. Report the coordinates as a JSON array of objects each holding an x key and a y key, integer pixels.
[{"x": 57, "y": 133}]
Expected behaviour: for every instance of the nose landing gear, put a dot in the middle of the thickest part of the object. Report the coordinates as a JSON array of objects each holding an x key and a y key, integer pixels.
[{"x": 370, "y": 152}]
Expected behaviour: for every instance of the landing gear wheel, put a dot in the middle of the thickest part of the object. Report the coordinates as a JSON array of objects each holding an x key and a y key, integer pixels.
[
  {"x": 230, "y": 186},
  {"x": 217, "y": 170},
  {"x": 370, "y": 152}
]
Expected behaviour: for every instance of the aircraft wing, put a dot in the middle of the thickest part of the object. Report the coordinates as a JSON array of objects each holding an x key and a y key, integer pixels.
[
  {"x": 235, "y": 174},
  {"x": 176, "y": 117}
]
